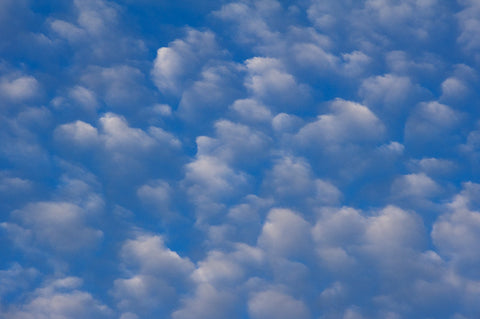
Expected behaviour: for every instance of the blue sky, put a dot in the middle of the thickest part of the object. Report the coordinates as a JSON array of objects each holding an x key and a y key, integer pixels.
[{"x": 299, "y": 159}]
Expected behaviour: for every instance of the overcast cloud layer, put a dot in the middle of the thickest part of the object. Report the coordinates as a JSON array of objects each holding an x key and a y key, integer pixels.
[{"x": 300, "y": 159}]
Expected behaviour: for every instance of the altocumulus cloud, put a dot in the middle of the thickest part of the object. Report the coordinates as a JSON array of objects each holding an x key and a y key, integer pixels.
[{"x": 239, "y": 159}]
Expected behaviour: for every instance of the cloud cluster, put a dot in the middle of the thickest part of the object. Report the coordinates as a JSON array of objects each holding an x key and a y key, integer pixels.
[{"x": 270, "y": 159}]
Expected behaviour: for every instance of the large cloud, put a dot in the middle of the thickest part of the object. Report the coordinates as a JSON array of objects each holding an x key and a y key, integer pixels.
[
  {"x": 155, "y": 273},
  {"x": 60, "y": 298},
  {"x": 239, "y": 159}
]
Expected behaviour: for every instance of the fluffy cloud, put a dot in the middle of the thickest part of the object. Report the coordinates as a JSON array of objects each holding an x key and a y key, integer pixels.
[
  {"x": 19, "y": 88},
  {"x": 468, "y": 22},
  {"x": 389, "y": 93},
  {"x": 272, "y": 84},
  {"x": 267, "y": 304},
  {"x": 210, "y": 182},
  {"x": 347, "y": 122},
  {"x": 60, "y": 298},
  {"x": 175, "y": 65},
  {"x": 251, "y": 110},
  {"x": 60, "y": 226},
  {"x": 456, "y": 231},
  {"x": 239, "y": 159},
  {"x": 431, "y": 120},
  {"x": 292, "y": 182},
  {"x": 280, "y": 222},
  {"x": 208, "y": 302},
  {"x": 155, "y": 272},
  {"x": 235, "y": 143},
  {"x": 116, "y": 144}
]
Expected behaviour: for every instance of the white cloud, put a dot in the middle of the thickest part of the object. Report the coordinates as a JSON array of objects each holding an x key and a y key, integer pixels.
[
  {"x": 457, "y": 231},
  {"x": 310, "y": 55},
  {"x": 157, "y": 275},
  {"x": 292, "y": 181},
  {"x": 336, "y": 233},
  {"x": 433, "y": 166},
  {"x": 217, "y": 268},
  {"x": 390, "y": 240},
  {"x": 210, "y": 176},
  {"x": 119, "y": 136},
  {"x": 96, "y": 16},
  {"x": 250, "y": 23},
  {"x": 468, "y": 22},
  {"x": 251, "y": 111},
  {"x": 273, "y": 239},
  {"x": 19, "y": 88},
  {"x": 60, "y": 226},
  {"x": 15, "y": 278},
  {"x": 394, "y": 230},
  {"x": 414, "y": 186},
  {"x": 149, "y": 254},
  {"x": 12, "y": 185},
  {"x": 274, "y": 304},
  {"x": 60, "y": 299},
  {"x": 347, "y": 122},
  {"x": 156, "y": 195},
  {"x": 207, "y": 302},
  {"x": 228, "y": 270},
  {"x": 431, "y": 121},
  {"x": 389, "y": 93},
  {"x": 453, "y": 87},
  {"x": 177, "y": 63},
  {"x": 288, "y": 123},
  {"x": 120, "y": 86},
  {"x": 210, "y": 181},
  {"x": 241, "y": 146},
  {"x": 207, "y": 97},
  {"x": 235, "y": 143},
  {"x": 67, "y": 30},
  {"x": 115, "y": 144},
  {"x": 84, "y": 97},
  {"x": 80, "y": 133},
  {"x": 269, "y": 81}
]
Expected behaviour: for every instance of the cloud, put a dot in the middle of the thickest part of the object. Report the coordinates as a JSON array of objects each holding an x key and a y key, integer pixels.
[
  {"x": 207, "y": 302},
  {"x": 16, "y": 278},
  {"x": 468, "y": 22},
  {"x": 415, "y": 186},
  {"x": 115, "y": 144},
  {"x": 235, "y": 143},
  {"x": 251, "y": 111},
  {"x": 292, "y": 182},
  {"x": 157, "y": 196},
  {"x": 347, "y": 122},
  {"x": 175, "y": 64},
  {"x": 80, "y": 133},
  {"x": 249, "y": 23},
  {"x": 154, "y": 272},
  {"x": 121, "y": 87},
  {"x": 222, "y": 269},
  {"x": 270, "y": 303},
  {"x": 280, "y": 222},
  {"x": 60, "y": 298},
  {"x": 456, "y": 231},
  {"x": 208, "y": 97},
  {"x": 19, "y": 88},
  {"x": 269, "y": 81},
  {"x": 94, "y": 30},
  {"x": 432, "y": 122},
  {"x": 210, "y": 182},
  {"x": 434, "y": 166},
  {"x": 60, "y": 226},
  {"x": 239, "y": 159}
]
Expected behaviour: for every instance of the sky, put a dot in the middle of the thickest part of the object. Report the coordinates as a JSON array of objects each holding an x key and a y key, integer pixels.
[{"x": 300, "y": 159}]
